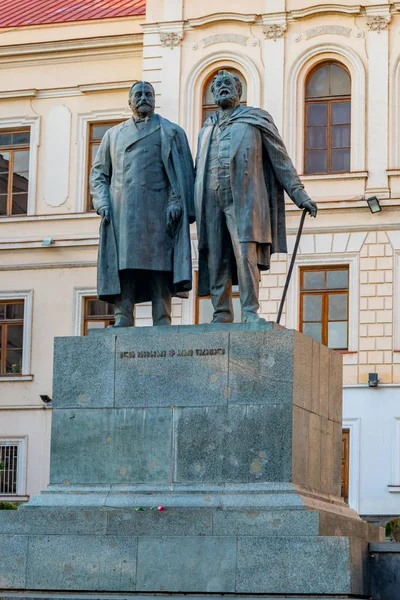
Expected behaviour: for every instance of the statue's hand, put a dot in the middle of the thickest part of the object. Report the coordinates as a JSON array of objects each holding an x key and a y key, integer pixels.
[
  {"x": 174, "y": 213},
  {"x": 105, "y": 214},
  {"x": 311, "y": 207}
]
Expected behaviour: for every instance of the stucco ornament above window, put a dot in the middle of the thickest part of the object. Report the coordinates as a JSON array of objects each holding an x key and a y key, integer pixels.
[
  {"x": 274, "y": 31},
  {"x": 171, "y": 39},
  {"x": 378, "y": 23}
]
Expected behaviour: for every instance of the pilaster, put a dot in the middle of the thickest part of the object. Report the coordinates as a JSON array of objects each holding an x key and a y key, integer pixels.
[
  {"x": 274, "y": 28},
  {"x": 378, "y": 18}
]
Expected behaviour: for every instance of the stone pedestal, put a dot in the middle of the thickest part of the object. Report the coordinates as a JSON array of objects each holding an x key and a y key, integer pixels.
[{"x": 234, "y": 429}]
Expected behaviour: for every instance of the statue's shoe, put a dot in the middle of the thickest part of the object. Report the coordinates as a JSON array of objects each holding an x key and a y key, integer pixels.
[
  {"x": 121, "y": 322},
  {"x": 252, "y": 318}
]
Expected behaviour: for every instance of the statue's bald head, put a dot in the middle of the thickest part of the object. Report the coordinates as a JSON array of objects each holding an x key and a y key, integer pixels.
[
  {"x": 226, "y": 88},
  {"x": 142, "y": 99}
]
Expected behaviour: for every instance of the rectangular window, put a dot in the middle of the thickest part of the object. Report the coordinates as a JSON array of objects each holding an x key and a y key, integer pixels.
[
  {"x": 98, "y": 314},
  {"x": 11, "y": 336},
  {"x": 9, "y": 469},
  {"x": 14, "y": 171},
  {"x": 96, "y": 133},
  {"x": 324, "y": 305}
]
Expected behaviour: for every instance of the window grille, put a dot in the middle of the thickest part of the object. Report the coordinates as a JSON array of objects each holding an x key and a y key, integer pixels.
[{"x": 9, "y": 469}]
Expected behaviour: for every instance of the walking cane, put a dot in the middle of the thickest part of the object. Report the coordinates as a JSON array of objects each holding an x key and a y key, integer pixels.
[{"x": 296, "y": 247}]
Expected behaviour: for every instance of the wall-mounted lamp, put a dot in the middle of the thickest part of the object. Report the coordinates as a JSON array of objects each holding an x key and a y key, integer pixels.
[
  {"x": 373, "y": 379},
  {"x": 45, "y": 398},
  {"x": 374, "y": 205},
  {"x": 48, "y": 241}
]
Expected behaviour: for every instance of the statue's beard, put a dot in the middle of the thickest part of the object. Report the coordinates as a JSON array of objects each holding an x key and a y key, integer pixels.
[
  {"x": 143, "y": 110},
  {"x": 226, "y": 100}
]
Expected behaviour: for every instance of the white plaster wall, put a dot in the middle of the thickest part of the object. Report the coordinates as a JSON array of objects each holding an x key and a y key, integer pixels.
[{"x": 377, "y": 409}]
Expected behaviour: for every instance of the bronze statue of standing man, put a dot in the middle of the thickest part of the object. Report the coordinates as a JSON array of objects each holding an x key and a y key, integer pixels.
[
  {"x": 242, "y": 171},
  {"x": 142, "y": 186}
]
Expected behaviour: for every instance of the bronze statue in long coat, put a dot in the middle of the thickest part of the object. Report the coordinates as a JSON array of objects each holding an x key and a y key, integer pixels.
[
  {"x": 242, "y": 171},
  {"x": 142, "y": 185}
]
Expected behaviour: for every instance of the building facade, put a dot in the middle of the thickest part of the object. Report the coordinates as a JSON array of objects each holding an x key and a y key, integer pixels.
[{"x": 330, "y": 76}]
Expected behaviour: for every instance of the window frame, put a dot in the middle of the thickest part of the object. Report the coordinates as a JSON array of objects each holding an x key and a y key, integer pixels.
[
  {"x": 27, "y": 297},
  {"x": 95, "y": 318},
  {"x": 325, "y": 294},
  {"x": 11, "y": 149},
  {"x": 21, "y": 477},
  {"x": 91, "y": 142},
  {"x": 329, "y": 100}
]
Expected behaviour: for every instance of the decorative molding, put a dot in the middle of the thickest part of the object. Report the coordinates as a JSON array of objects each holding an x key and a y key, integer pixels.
[
  {"x": 296, "y": 37},
  {"x": 354, "y": 424},
  {"x": 71, "y": 50},
  {"x": 378, "y": 23},
  {"x": 22, "y": 443},
  {"x": 396, "y": 293},
  {"x": 34, "y": 124},
  {"x": 327, "y": 29},
  {"x": 294, "y": 116},
  {"x": 49, "y": 265},
  {"x": 274, "y": 31},
  {"x": 57, "y": 147},
  {"x": 18, "y": 94},
  {"x": 396, "y": 452},
  {"x": 219, "y": 38},
  {"x": 27, "y": 297},
  {"x": 309, "y": 257},
  {"x": 82, "y": 148},
  {"x": 199, "y": 73},
  {"x": 325, "y": 9},
  {"x": 170, "y": 39},
  {"x": 225, "y": 16}
]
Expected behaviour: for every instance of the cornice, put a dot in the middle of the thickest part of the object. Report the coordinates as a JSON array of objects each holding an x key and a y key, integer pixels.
[
  {"x": 71, "y": 50},
  {"x": 223, "y": 16},
  {"x": 79, "y": 90},
  {"x": 320, "y": 9}
]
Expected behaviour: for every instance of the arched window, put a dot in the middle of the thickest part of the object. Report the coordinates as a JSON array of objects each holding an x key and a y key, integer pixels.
[
  {"x": 327, "y": 119},
  {"x": 208, "y": 101}
]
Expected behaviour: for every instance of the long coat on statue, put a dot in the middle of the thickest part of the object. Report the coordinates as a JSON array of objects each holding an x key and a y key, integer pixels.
[
  {"x": 137, "y": 199},
  {"x": 260, "y": 172}
]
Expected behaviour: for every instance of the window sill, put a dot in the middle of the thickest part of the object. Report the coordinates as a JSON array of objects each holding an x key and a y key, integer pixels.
[
  {"x": 14, "y": 498},
  {"x": 333, "y": 176},
  {"x": 16, "y": 377},
  {"x": 394, "y": 489}
]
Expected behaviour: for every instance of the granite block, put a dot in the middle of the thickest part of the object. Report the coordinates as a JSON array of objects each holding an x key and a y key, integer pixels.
[
  {"x": 141, "y": 450},
  {"x": 385, "y": 571},
  {"x": 82, "y": 562},
  {"x": 302, "y": 375},
  {"x": 315, "y": 378},
  {"x": 240, "y": 444},
  {"x": 13, "y": 557},
  {"x": 293, "y": 565},
  {"x": 170, "y": 522},
  {"x": 275, "y": 523},
  {"x": 171, "y": 370},
  {"x": 261, "y": 367},
  {"x": 326, "y": 461},
  {"x": 104, "y": 446},
  {"x": 324, "y": 364},
  {"x": 186, "y": 564},
  {"x": 53, "y": 521},
  {"x": 84, "y": 372},
  {"x": 80, "y": 445},
  {"x": 335, "y": 386},
  {"x": 299, "y": 453},
  {"x": 314, "y": 451}
]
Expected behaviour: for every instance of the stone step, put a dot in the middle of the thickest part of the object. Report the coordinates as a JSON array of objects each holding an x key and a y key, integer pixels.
[{"x": 107, "y": 596}]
